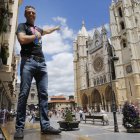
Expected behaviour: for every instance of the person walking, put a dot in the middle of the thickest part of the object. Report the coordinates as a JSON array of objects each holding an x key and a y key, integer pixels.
[
  {"x": 33, "y": 115},
  {"x": 81, "y": 114},
  {"x": 33, "y": 66}
]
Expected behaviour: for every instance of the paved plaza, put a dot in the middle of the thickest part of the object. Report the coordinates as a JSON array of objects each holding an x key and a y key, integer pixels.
[{"x": 88, "y": 131}]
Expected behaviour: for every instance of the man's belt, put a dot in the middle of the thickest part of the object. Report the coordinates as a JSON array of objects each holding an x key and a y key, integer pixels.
[{"x": 36, "y": 58}]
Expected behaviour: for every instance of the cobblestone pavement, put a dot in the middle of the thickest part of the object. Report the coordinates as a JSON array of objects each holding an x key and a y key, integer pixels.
[{"x": 88, "y": 131}]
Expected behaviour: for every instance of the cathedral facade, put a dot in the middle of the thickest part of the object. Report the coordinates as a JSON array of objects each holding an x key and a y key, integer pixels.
[{"x": 97, "y": 75}]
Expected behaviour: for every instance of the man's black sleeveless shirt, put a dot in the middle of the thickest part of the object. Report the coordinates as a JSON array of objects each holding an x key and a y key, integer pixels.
[{"x": 31, "y": 48}]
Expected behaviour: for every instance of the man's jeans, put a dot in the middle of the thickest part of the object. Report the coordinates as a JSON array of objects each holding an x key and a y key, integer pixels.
[{"x": 30, "y": 68}]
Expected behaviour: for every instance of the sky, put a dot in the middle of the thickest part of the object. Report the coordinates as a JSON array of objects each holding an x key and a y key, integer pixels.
[{"x": 58, "y": 46}]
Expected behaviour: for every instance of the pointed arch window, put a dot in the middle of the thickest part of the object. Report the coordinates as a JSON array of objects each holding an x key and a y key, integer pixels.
[
  {"x": 98, "y": 82},
  {"x": 122, "y": 25},
  {"x": 104, "y": 79},
  {"x": 94, "y": 82},
  {"x": 32, "y": 96},
  {"x": 124, "y": 43},
  {"x": 136, "y": 20},
  {"x": 86, "y": 44},
  {"x": 120, "y": 12},
  {"x": 101, "y": 80}
]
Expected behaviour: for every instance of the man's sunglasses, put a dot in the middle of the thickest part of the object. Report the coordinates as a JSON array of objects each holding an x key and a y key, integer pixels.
[{"x": 30, "y": 12}]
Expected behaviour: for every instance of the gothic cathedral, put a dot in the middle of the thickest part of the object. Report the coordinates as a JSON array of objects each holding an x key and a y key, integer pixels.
[{"x": 97, "y": 75}]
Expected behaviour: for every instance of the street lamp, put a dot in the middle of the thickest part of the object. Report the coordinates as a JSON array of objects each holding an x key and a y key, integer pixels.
[{"x": 111, "y": 59}]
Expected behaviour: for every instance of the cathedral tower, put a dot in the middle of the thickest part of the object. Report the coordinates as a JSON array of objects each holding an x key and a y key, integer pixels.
[
  {"x": 80, "y": 61},
  {"x": 125, "y": 38}
]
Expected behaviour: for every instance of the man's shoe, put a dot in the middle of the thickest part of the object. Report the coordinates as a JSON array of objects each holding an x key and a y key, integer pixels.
[
  {"x": 51, "y": 130},
  {"x": 19, "y": 134}
]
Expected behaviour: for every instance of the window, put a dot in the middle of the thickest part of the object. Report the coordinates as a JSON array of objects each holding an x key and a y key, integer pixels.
[
  {"x": 124, "y": 44},
  {"x": 97, "y": 43},
  {"x": 120, "y": 12},
  {"x": 101, "y": 79},
  {"x": 129, "y": 69},
  {"x": 136, "y": 20},
  {"x": 77, "y": 55},
  {"x": 98, "y": 82},
  {"x": 87, "y": 53},
  {"x": 94, "y": 82},
  {"x": 32, "y": 96},
  {"x": 86, "y": 44},
  {"x": 104, "y": 79},
  {"x": 122, "y": 25}
]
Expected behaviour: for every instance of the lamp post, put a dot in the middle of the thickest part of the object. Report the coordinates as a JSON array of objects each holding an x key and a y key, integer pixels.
[{"x": 111, "y": 59}]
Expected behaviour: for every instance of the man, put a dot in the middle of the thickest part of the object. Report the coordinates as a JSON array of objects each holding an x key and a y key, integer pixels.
[{"x": 32, "y": 65}]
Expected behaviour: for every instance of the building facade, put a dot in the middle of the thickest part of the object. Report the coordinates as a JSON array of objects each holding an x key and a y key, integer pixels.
[
  {"x": 92, "y": 76},
  {"x": 125, "y": 37},
  {"x": 32, "y": 102},
  {"x": 61, "y": 102},
  {"x": 8, "y": 59},
  {"x": 93, "y": 85}
]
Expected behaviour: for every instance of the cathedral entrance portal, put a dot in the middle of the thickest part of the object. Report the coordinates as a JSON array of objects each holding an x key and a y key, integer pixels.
[
  {"x": 84, "y": 102},
  {"x": 108, "y": 99},
  {"x": 96, "y": 100}
]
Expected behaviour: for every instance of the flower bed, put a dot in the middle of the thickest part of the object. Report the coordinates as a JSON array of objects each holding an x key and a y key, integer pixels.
[{"x": 131, "y": 117}]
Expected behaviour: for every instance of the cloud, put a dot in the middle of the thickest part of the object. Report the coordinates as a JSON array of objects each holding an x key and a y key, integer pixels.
[
  {"x": 60, "y": 20},
  {"x": 60, "y": 74},
  {"x": 58, "y": 41},
  {"x": 54, "y": 43}
]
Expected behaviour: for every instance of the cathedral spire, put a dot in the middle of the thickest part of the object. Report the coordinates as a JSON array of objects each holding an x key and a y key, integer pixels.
[
  {"x": 104, "y": 31},
  {"x": 83, "y": 23},
  {"x": 113, "y": 2},
  {"x": 83, "y": 30}
]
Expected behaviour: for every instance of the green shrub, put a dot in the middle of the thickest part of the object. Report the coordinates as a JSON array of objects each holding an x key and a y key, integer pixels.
[{"x": 68, "y": 116}]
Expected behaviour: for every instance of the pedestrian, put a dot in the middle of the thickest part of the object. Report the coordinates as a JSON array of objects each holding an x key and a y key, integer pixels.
[
  {"x": 81, "y": 114},
  {"x": 89, "y": 111},
  {"x": 105, "y": 116},
  {"x": 32, "y": 66},
  {"x": 32, "y": 117}
]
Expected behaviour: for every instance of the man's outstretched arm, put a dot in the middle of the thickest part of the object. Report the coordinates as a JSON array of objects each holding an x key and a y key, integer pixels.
[{"x": 50, "y": 30}]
